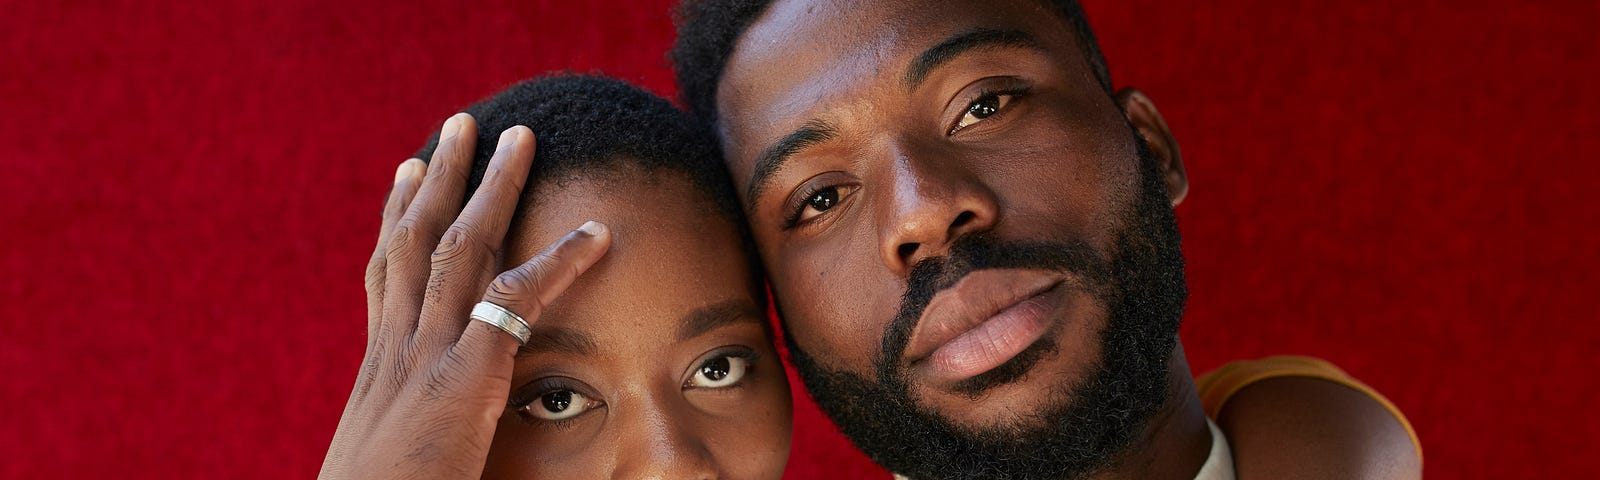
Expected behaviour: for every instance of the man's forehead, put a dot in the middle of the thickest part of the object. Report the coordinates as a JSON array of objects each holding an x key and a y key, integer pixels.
[
  {"x": 784, "y": 60},
  {"x": 806, "y": 56}
]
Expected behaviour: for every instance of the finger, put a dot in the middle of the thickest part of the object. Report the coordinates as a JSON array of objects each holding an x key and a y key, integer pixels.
[
  {"x": 406, "y": 180},
  {"x": 464, "y": 262},
  {"x": 414, "y": 237},
  {"x": 526, "y": 291},
  {"x": 408, "y": 177}
]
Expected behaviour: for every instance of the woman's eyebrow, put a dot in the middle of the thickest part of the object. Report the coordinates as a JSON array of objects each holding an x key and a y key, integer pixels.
[
  {"x": 716, "y": 316},
  {"x": 551, "y": 339}
]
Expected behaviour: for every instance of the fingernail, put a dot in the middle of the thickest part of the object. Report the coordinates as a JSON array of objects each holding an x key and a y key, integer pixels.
[
  {"x": 508, "y": 137},
  {"x": 452, "y": 128},
  {"x": 593, "y": 228},
  {"x": 406, "y": 170}
]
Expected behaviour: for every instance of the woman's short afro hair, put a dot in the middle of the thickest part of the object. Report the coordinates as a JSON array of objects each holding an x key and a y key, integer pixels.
[
  {"x": 592, "y": 124},
  {"x": 708, "y": 30}
]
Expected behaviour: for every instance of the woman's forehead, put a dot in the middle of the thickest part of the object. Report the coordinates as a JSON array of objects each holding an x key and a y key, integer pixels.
[
  {"x": 672, "y": 252},
  {"x": 647, "y": 210}
]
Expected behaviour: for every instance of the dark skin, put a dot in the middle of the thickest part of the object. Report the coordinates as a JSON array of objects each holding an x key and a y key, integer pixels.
[
  {"x": 903, "y": 151},
  {"x": 649, "y": 363},
  {"x": 665, "y": 303},
  {"x": 1312, "y": 428},
  {"x": 433, "y": 382}
]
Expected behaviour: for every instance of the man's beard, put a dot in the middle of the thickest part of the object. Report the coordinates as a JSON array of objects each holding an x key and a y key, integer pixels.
[{"x": 1143, "y": 290}]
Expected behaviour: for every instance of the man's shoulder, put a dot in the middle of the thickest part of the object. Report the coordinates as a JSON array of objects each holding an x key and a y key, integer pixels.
[{"x": 1302, "y": 417}]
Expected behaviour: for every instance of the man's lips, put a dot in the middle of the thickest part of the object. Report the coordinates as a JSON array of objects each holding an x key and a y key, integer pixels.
[{"x": 981, "y": 322}]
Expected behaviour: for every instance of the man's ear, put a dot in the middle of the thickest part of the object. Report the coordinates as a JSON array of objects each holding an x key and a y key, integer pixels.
[{"x": 1142, "y": 113}]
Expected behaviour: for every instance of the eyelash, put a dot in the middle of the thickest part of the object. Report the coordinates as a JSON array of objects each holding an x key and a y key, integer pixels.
[
  {"x": 539, "y": 389},
  {"x": 1016, "y": 94},
  {"x": 749, "y": 356},
  {"x": 559, "y": 425},
  {"x": 546, "y": 386},
  {"x": 795, "y": 211}
]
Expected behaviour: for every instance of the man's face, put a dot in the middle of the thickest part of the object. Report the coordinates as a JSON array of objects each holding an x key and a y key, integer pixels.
[{"x": 964, "y": 234}]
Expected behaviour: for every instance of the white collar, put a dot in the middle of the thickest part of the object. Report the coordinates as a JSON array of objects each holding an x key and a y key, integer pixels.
[{"x": 1219, "y": 463}]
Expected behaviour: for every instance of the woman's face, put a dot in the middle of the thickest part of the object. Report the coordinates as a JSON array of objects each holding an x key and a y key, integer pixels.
[{"x": 655, "y": 363}]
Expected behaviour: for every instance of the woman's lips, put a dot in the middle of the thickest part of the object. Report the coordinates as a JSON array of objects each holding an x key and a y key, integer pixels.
[{"x": 982, "y": 322}]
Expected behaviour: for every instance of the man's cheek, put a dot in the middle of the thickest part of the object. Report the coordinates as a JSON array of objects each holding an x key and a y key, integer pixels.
[{"x": 830, "y": 317}]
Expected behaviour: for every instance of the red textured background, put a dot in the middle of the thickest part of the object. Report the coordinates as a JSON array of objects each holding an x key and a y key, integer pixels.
[{"x": 188, "y": 194}]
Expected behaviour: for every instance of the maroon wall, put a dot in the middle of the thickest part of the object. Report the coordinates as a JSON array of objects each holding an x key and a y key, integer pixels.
[{"x": 188, "y": 195}]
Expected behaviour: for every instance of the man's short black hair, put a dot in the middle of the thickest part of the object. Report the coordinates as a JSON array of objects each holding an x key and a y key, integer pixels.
[
  {"x": 708, "y": 30},
  {"x": 591, "y": 125}
]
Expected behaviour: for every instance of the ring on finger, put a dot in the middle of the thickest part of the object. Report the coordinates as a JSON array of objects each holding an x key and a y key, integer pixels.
[{"x": 500, "y": 317}]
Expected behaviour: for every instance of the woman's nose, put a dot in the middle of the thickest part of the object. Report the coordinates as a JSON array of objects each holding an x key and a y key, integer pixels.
[{"x": 658, "y": 443}]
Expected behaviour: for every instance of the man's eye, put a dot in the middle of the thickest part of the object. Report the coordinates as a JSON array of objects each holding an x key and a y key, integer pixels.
[
  {"x": 559, "y": 405},
  {"x": 723, "y": 371},
  {"x": 982, "y": 108}
]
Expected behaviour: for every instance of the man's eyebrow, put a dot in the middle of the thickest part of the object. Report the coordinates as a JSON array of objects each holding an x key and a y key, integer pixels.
[
  {"x": 950, "y": 48},
  {"x": 716, "y": 316},
  {"x": 549, "y": 339},
  {"x": 773, "y": 158}
]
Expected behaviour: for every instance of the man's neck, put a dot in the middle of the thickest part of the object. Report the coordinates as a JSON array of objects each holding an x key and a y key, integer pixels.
[{"x": 1177, "y": 441}]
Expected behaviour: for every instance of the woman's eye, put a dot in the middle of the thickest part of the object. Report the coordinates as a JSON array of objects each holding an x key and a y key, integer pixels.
[
  {"x": 817, "y": 202},
  {"x": 824, "y": 199},
  {"x": 720, "y": 372},
  {"x": 558, "y": 405},
  {"x": 984, "y": 107}
]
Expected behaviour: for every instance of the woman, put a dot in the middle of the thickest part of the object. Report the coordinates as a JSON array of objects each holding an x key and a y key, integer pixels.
[{"x": 646, "y": 350}]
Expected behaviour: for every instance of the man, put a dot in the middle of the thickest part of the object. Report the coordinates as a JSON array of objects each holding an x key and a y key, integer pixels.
[{"x": 970, "y": 236}]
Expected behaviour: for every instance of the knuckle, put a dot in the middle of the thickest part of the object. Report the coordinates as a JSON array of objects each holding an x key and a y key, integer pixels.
[
  {"x": 573, "y": 268},
  {"x": 441, "y": 380},
  {"x": 514, "y": 284},
  {"x": 395, "y": 203},
  {"x": 377, "y": 274},
  {"x": 394, "y": 375},
  {"x": 404, "y": 355},
  {"x": 451, "y": 152},
  {"x": 457, "y": 254},
  {"x": 368, "y": 375},
  {"x": 428, "y": 450},
  {"x": 460, "y": 247},
  {"x": 385, "y": 383},
  {"x": 403, "y": 240},
  {"x": 518, "y": 289},
  {"x": 454, "y": 240},
  {"x": 433, "y": 387},
  {"x": 445, "y": 148},
  {"x": 499, "y": 180},
  {"x": 556, "y": 256}
]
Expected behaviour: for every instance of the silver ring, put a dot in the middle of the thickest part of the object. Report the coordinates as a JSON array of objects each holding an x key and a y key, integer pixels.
[{"x": 488, "y": 312}]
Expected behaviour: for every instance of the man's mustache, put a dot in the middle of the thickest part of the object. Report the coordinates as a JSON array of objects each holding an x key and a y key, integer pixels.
[{"x": 972, "y": 253}]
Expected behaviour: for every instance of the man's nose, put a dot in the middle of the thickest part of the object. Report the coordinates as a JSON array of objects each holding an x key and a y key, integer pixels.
[
  {"x": 659, "y": 443},
  {"x": 932, "y": 202}
]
